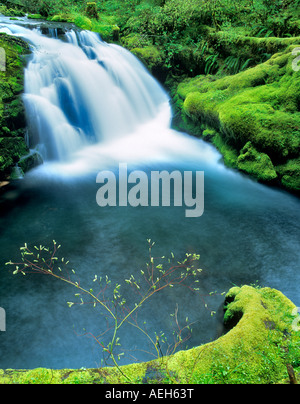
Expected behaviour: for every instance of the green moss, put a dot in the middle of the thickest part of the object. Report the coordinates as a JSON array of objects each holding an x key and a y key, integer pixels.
[
  {"x": 14, "y": 12},
  {"x": 259, "y": 165},
  {"x": 232, "y": 43},
  {"x": 230, "y": 156},
  {"x": 64, "y": 18},
  {"x": 260, "y": 105},
  {"x": 35, "y": 16},
  {"x": 290, "y": 174},
  {"x": 251, "y": 352},
  {"x": 132, "y": 41},
  {"x": 106, "y": 26},
  {"x": 49, "y": 376},
  {"x": 150, "y": 55}
]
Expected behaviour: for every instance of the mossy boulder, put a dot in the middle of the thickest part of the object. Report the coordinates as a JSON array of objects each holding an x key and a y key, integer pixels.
[
  {"x": 260, "y": 327},
  {"x": 30, "y": 161},
  {"x": 115, "y": 33},
  {"x": 35, "y": 16},
  {"x": 62, "y": 18},
  {"x": 150, "y": 55},
  {"x": 259, "y": 165},
  {"x": 290, "y": 174}
]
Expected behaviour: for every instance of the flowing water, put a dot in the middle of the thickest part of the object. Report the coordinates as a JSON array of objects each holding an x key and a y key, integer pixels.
[{"x": 91, "y": 106}]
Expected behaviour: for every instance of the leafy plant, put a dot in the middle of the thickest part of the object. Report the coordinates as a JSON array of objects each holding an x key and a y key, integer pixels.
[
  {"x": 211, "y": 63},
  {"x": 159, "y": 274},
  {"x": 236, "y": 64}
]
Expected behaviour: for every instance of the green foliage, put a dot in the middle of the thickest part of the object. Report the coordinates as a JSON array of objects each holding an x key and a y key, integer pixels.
[
  {"x": 260, "y": 105},
  {"x": 91, "y": 10},
  {"x": 43, "y": 7},
  {"x": 12, "y": 117},
  {"x": 211, "y": 64},
  {"x": 236, "y": 64},
  {"x": 11, "y": 150}
]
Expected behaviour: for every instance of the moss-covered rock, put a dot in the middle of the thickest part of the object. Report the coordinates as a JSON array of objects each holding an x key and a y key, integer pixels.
[
  {"x": 230, "y": 155},
  {"x": 35, "y": 16},
  {"x": 259, "y": 165},
  {"x": 260, "y": 323},
  {"x": 290, "y": 174},
  {"x": 150, "y": 55},
  {"x": 30, "y": 161},
  {"x": 260, "y": 343},
  {"x": 63, "y": 18}
]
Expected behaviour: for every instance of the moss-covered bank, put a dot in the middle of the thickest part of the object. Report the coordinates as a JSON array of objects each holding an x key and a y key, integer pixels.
[
  {"x": 260, "y": 344},
  {"x": 12, "y": 115},
  {"x": 252, "y": 117}
]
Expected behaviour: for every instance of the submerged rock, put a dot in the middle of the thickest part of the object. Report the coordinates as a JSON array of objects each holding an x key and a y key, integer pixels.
[{"x": 30, "y": 161}]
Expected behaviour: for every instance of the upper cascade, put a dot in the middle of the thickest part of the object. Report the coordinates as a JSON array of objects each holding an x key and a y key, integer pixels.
[
  {"x": 83, "y": 91},
  {"x": 89, "y": 103}
]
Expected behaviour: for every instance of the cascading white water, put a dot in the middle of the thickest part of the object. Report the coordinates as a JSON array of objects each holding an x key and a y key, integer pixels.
[
  {"x": 90, "y": 103},
  {"x": 85, "y": 91}
]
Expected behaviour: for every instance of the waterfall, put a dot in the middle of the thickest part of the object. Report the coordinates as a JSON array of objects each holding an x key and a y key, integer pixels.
[
  {"x": 84, "y": 91},
  {"x": 88, "y": 102}
]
